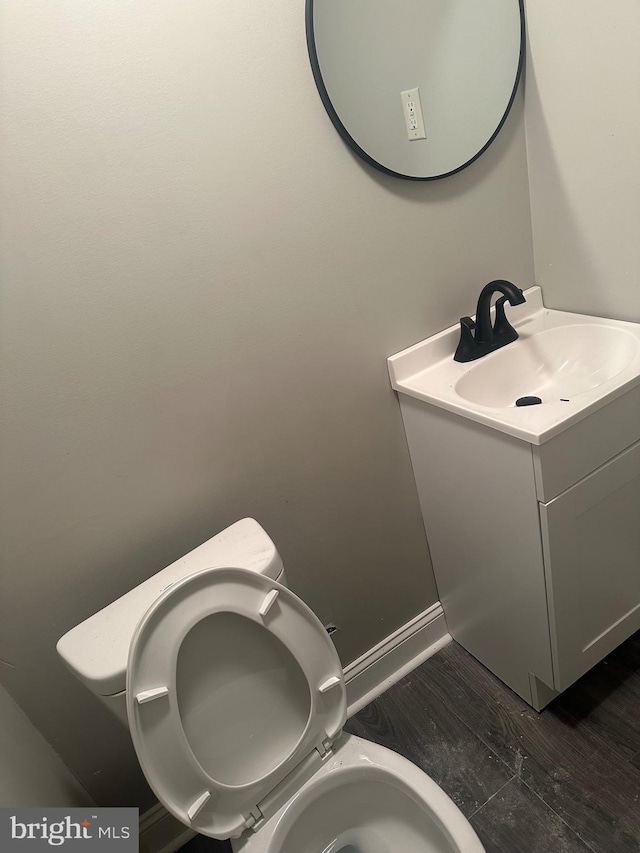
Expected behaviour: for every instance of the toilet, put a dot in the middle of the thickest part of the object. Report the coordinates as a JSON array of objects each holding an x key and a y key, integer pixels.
[{"x": 235, "y": 699}]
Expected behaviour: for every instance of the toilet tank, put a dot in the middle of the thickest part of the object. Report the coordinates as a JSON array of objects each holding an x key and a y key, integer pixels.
[{"x": 96, "y": 650}]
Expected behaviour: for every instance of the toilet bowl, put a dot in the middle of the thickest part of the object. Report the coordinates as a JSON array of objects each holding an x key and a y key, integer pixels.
[
  {"x": 366, "y": 799},
  {"x": 235, "y": 701}
]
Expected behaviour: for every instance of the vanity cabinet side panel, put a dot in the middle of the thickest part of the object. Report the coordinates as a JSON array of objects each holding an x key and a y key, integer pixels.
[
  {"x": 478, "y": 497},
  {"x": 592, "y": 562}
]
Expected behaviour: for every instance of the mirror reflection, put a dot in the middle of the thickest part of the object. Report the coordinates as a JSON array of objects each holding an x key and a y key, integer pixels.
[{"x": 418, "y": 88}]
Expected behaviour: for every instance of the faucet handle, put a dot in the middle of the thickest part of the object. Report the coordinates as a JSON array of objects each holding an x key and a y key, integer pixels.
[
  {"x": 466, "y": 343},
  {"x": 502, "y": 327}
]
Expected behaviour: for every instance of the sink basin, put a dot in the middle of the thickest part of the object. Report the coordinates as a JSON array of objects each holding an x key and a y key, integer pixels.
[
  {"x": 555, "y": 364},
  {"x": 573, "y": 362}
]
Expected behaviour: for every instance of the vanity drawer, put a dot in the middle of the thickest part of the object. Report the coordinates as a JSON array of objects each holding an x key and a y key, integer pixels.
[{"x": 569, "y": 457}]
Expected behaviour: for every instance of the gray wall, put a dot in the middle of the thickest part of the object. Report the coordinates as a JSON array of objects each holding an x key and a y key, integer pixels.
[
  {"x": 31, "y": 774},
  {"x": 201, "y": 287},
  {"x": 583, "y": 138}
]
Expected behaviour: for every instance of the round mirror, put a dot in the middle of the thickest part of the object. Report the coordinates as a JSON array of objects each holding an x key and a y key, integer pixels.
[{"x": 418, "y": 88}]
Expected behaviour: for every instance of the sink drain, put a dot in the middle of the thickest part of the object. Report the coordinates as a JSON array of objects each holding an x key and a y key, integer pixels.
[{"x": 528, "y": 401}]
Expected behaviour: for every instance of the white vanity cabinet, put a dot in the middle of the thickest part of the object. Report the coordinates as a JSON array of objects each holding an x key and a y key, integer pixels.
[
  {"x": 535, "y": 548},
  {"x": 591, "y": 547}
]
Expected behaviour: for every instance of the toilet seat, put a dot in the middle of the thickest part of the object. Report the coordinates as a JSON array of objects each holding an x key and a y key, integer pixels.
[{"x": 234, "y": 692}]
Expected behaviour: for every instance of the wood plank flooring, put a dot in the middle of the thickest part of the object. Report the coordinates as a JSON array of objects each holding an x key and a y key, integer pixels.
[{"x": 563, "y": 781}]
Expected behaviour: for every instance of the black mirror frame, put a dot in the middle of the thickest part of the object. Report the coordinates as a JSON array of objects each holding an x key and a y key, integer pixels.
[{"x": 346, "y": 136}]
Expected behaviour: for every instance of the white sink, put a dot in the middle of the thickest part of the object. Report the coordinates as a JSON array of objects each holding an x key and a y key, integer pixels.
[
  {"x": 554, "y": 364},
  {"x": 573, "y": 362}
]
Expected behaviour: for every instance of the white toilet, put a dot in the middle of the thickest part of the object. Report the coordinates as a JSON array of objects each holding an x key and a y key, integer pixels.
[{"x": 235, "y": 700}]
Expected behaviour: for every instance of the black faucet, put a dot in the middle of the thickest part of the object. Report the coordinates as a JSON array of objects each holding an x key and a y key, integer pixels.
[{"x": 488, "y": 338}]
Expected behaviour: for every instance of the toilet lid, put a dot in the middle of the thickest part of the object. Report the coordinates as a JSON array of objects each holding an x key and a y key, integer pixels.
[{"x": 232, "y": 682}]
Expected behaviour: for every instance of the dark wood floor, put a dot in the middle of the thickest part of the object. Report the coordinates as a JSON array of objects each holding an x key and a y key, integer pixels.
[{"x": 563, "y": 781}]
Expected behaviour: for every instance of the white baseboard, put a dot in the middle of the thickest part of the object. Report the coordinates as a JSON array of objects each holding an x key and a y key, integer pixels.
[
  {"x": 160, "y": 832},
  {"x": 398, "y": 654},
  {"x": 366, "y": 678}
]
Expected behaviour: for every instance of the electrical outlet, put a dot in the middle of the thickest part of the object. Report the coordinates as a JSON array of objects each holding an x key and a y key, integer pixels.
[{"x": 412, "y": 109}]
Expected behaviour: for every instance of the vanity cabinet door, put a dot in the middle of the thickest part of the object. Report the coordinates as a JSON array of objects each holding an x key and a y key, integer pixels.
[{"x": 591, "y": 540}]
